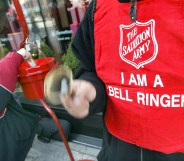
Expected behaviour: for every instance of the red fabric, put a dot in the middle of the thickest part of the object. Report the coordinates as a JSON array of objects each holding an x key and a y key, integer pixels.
[
  {"x": 9, "y": 66},
  {"x": 142, "y": 67}
]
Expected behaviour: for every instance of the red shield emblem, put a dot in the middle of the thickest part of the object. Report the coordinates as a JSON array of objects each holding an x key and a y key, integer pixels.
[{"x": 138, "y": 45}]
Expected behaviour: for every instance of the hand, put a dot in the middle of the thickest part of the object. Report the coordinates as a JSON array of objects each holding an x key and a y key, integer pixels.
[
  {"x": 77, "y": 104},
  {"x": 26, "y": 55}
]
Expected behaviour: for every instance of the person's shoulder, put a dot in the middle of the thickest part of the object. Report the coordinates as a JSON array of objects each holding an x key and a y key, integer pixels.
[{"x": 90, "y": 11}]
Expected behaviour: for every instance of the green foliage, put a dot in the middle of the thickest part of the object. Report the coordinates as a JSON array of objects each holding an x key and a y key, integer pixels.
[
  {"x": 5, "y": 52},
  {"x": 48, "y": 52},
  {"x": 70, "y": 59},
  {"x": 34, "y": 53}
]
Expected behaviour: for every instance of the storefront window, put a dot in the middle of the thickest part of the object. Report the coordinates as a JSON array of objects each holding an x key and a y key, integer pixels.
[{"x": 51, "y": 24}]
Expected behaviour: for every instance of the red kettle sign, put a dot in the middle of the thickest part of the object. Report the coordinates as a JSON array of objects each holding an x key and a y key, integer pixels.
[{"x": 138, "y": 45}]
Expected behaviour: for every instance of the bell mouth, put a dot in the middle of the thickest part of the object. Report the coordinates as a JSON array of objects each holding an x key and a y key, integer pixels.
[{"x": 58, "y": 81}]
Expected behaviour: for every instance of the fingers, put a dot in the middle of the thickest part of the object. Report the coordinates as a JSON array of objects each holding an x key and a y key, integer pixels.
[
  {"x": 77, "y": 104},
  {"x": 26, "y": 55},
  {"x": 85, "y": 89}
]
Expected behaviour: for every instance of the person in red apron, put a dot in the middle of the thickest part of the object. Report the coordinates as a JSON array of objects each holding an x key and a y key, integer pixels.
[
  {"x": 17, "y": 126},
  {"x": 132, "y": 70}
]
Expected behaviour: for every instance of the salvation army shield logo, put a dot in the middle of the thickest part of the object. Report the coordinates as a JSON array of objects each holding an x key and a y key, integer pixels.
[{"x": 138, "y": 45}]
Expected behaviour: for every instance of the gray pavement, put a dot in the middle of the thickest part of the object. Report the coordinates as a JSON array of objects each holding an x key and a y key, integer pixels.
[{"x": 55, "y": 151}]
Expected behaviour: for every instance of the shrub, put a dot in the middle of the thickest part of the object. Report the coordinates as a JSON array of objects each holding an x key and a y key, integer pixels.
[
  {"x": 70, "y": 59},
  {"x": 5, "y": 51}
]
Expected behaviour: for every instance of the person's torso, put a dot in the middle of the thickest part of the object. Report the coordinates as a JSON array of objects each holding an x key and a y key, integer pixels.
[{"x": 142, "y": 66}]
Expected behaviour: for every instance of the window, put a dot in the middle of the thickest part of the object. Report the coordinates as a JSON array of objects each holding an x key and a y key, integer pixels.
[{"x": 51, "y": 24}]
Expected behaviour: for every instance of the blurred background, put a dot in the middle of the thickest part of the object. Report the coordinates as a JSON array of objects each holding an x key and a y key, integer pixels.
[{"x": 51, "y": 23}]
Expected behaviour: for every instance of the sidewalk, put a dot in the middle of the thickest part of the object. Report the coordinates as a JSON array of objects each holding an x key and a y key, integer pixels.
[{"x": 55, "y": 151}]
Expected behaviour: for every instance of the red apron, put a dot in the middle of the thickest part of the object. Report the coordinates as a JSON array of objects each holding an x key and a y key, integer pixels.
[{"x": 142, "y": 65}]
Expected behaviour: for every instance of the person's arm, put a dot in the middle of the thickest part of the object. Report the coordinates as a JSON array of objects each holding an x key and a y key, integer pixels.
[
  {"x": 9, "y": 70},
  {"x": 9, "y": 66},
  {"x": 89, "y": 94}
]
